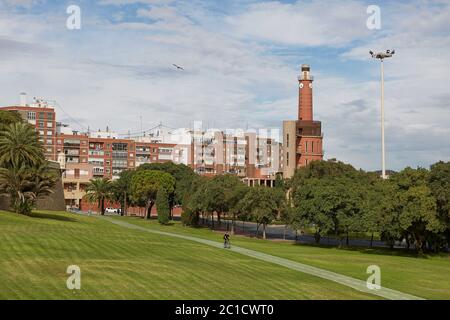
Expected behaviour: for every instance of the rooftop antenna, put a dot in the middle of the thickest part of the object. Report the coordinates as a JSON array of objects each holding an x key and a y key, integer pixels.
[{"x": 142, "y": 133}]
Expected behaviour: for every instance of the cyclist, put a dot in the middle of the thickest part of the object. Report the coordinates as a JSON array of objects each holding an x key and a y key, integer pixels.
[{"x": 226, "y": 239}]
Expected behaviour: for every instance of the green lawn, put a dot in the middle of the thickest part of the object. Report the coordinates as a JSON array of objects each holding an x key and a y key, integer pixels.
[
  {"x": 426, "y": 276},
  {"x": 120, "y": 263}
]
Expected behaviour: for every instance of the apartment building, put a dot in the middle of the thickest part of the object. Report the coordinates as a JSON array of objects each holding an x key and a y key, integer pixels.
[
  {"x": 103, "y": 154},
  {"x": 43, "y": 118},
  {"x": 75, "y": 178}
]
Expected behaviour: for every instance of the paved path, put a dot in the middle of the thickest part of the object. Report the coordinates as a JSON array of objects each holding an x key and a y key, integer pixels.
[{"x": 332, "y": 276}]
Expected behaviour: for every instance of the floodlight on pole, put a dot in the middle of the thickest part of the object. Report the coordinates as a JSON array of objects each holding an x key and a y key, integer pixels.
[{"x": 381, "y": 56}]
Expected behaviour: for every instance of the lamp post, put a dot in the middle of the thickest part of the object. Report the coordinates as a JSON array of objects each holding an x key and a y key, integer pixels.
[{"x": 381, "y": 56}]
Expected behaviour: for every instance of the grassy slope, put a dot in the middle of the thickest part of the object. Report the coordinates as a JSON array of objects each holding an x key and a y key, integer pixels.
[
  {"x": 427, "y": 277},
  {"x": 118, "y": 263}
]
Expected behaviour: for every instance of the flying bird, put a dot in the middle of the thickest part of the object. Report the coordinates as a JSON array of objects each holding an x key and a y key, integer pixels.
[{"x": 178, "y": 67}]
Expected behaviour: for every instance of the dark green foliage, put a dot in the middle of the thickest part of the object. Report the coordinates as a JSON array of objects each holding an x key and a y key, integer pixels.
[
  {"x": 24, "y": 172},
  {"x": 184, "y": 179},
  {"x": 264, "y": 204},
  {"x": 189, "y": 218},
  {"x": 334, "y": 198},
  {"x": 439, "y": 184},
  {"x": 145, "y": 185},
  {"x": 9, "y": 117},
  {"x": 121, "y": 190},
  {"x": 19, "y": 145},
  {"x": 99, "y": 190},
  {"x": 162, "y": 206}
]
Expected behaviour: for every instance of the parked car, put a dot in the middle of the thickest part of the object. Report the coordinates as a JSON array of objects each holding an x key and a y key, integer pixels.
[{"x": 112, "y": 210}]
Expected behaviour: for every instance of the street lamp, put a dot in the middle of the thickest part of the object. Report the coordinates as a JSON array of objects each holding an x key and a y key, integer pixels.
[{"x": 381, "y": 56}]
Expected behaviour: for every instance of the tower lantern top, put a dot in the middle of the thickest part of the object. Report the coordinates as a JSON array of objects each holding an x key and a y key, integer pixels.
[{"x": 305, "y": 73}]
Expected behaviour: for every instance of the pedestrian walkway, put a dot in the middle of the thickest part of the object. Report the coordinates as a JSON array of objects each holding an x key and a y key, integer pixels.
[{"x": 328, "y": 275}]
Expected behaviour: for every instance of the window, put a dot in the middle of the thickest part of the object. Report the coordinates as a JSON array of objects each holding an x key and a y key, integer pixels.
[
  {"x": 49, "y": 133},
  {"x": 41, "y": 132},
  {"x": 312, "y": 146},
  {"x": 41, "y": 124},
  {"x": 287, "y": 140},
  {"x": 287, "y": 158},
  {"x": 306, "y": 148},
  {"x": 49, "y": 124},
  {"x": 31, "y": 115},
  {"x": 50, "y": 115},
  {"x": 49, "y": 141},
  {"x": 41, "y": 115}
]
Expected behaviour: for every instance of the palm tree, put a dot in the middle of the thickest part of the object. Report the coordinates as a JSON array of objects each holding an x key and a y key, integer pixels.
[
  {"x": 25, "y": 185},
  {"x": 15, "y": 182},
  {"x": 99, "y": 190},
  {"x": 42, "y": 180},
  {"x": 19, "y": 145}
]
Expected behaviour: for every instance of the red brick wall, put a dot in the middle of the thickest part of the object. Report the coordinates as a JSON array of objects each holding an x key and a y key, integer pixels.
[{"x": 135, "y": 211}]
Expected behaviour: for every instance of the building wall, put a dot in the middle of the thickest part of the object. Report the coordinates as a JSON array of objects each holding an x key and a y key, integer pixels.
[
  {"x": 289, "y": 146},
  {"x": 43, "y": 118}
]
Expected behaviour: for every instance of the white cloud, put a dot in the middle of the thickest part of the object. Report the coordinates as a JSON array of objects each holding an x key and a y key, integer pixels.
[
  {"x": 111, "y": 73},
  {"x": 315, "y": 23}
]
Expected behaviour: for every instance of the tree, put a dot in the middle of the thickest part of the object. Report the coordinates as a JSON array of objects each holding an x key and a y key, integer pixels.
[
  {"x": 24, "y": 173},
  {"x": 195, "y": 202},
  {"x": 236, "y": 208},
  {"x": 9, "y": 117},
  {"x": 25, "y": 185},
  {"x": 19, "y": 145},
  {"x": 372, "y": 207},
  {"x": 263, "y": 204},
  {"x": 439, "y": 184},
  {"x": 330, "y": 197},
  {"x": 162, "y": 205},
  {"x": 184, "y": 178},
  {"x": 121, "y": 191},
  {"x": 145, "y": 185},
  {"x": 290, "y": 219},
  {"x": 414, "y": 207},
  {"x": 314, "y": 205},
  {"x": 219, "y": 194},
  {"x": 99, "y": 190}
]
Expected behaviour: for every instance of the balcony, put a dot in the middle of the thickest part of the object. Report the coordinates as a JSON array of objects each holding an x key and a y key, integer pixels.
[{"x": 72, "y": 152}]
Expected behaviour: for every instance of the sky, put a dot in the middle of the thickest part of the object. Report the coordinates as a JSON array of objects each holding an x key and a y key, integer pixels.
[{"x": 241, "y": 61}]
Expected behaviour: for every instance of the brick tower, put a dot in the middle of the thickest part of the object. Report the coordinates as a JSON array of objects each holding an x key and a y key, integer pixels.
[{"x": 302, "y": 139}]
